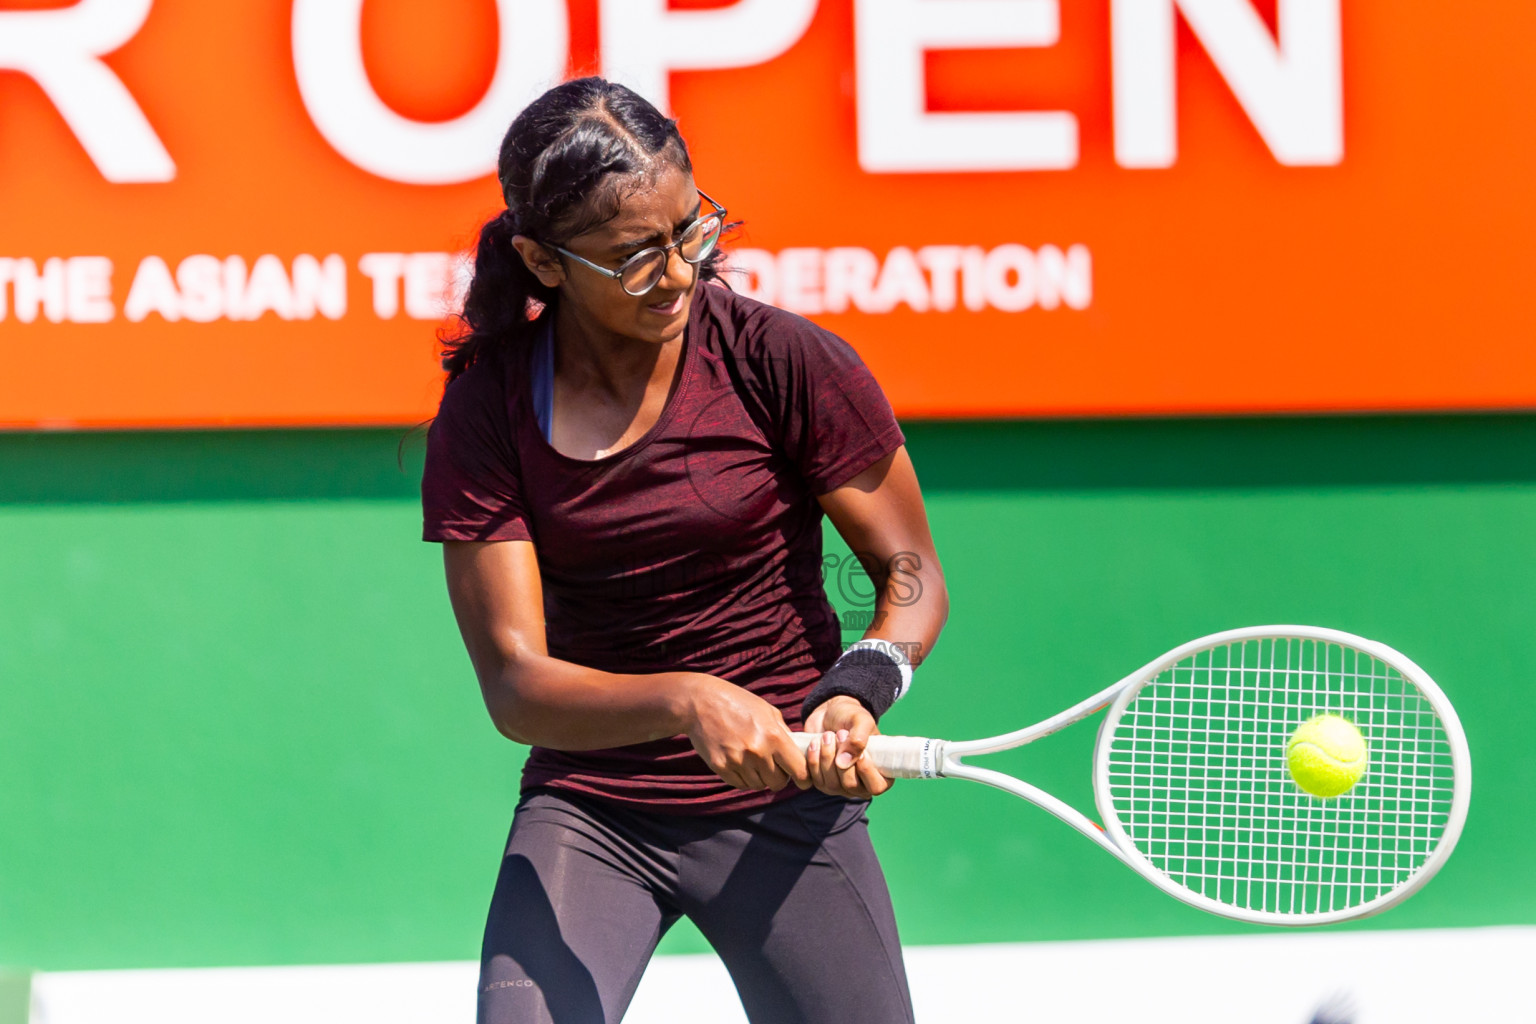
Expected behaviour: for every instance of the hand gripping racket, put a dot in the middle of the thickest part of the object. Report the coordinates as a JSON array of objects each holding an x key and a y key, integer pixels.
[{"x": 1190, "y": 776}]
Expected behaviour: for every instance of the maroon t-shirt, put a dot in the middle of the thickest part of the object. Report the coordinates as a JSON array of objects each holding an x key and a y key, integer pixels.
[{"x": 696, "y": 548}]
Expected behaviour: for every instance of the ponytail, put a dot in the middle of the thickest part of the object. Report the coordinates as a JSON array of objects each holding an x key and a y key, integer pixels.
[{"x": 499, "y": 303}]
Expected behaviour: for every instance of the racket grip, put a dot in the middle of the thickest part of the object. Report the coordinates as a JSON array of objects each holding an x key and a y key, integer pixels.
[{"x": 897, "y": 757}]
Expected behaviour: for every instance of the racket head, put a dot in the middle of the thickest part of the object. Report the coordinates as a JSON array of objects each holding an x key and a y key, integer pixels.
[{"x": 1190, "y": 776}]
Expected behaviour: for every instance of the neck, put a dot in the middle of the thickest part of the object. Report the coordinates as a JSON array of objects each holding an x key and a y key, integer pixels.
[{"x": 588, "y": 356}]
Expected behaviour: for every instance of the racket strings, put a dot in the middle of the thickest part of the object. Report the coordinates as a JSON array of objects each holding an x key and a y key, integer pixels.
[{"x": 1198, "y": 777}]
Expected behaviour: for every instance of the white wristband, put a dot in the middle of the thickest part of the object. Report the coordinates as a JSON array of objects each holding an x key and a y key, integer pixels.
[{"x": 892, "y": 651}]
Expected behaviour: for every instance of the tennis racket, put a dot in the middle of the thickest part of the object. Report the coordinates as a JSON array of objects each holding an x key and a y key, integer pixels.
[{"x": 1190, "y": 776}]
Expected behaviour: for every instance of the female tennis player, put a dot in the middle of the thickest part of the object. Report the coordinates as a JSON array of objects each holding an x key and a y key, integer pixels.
[{"x": 629, "y": 471}]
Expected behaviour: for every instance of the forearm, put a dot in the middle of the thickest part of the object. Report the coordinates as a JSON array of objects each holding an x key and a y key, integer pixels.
[
  {"x": 911, "y": 607},
  {"x": 547, "y": 702}
]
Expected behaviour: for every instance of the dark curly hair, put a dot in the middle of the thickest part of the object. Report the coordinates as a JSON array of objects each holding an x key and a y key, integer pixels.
[{"x": 562, "y": 168}]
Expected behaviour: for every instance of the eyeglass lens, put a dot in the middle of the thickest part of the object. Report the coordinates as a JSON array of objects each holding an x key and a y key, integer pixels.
[{"x": 642, "y": 274}]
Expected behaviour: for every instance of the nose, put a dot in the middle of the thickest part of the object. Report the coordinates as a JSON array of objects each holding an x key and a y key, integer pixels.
[{"x": 679, "y": 272}]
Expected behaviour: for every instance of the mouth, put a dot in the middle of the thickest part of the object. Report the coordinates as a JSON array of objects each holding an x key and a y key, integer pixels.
[{"x": 670, "y": 307}]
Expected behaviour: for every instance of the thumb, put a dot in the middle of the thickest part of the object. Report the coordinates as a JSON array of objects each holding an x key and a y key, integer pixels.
[{"x": 852, "y": 743}]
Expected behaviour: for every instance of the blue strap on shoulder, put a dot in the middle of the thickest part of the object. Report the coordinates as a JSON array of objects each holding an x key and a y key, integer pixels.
[{"x": 543, "y": 388}]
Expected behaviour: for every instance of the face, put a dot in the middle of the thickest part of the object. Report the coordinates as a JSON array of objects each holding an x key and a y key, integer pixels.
[{"x": 651, "y": 213}]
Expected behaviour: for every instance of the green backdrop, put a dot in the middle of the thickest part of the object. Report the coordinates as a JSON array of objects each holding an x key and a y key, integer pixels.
[{"x": 237, "y": 726}]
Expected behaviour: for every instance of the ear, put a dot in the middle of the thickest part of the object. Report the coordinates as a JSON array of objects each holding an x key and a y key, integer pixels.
[{"x": 538, "y": 259}]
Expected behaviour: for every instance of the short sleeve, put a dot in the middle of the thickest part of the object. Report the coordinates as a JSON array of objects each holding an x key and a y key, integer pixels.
[
  {"x": 833, "y": 421},
  {"x": 471, "y": 488}
]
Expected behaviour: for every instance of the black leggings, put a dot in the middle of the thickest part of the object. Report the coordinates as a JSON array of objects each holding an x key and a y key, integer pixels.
[{"x": 791, "y": 897}]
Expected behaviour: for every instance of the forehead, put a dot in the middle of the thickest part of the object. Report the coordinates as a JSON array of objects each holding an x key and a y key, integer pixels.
[{"x": 649, "y": 204}]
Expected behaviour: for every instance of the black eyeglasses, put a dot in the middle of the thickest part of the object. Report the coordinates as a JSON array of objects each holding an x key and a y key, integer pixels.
[{"x": 645, "y": 269}]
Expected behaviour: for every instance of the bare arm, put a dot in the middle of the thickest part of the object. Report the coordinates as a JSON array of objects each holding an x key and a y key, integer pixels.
[
  {"x": 880, "y": 514},
  {"x": 498, "y": 599}
]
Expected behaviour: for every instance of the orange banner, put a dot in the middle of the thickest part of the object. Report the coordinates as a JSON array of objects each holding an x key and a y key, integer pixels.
[{"x": 249, "y": 212}]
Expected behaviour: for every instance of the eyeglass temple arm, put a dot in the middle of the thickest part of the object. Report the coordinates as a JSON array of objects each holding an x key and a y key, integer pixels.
[{"x": 720, "y": 212}]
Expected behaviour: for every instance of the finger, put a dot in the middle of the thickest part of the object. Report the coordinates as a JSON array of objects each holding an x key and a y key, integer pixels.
[
  {"x": 829, "y": 762},
  {"x": 732, "y": 778},
  {"x": 805, "y": 781},
  {"x": 813, "y": 741},
  {"x": 760, "y": 765},
  {"x": 835, "y": 780},
  {"x": 819, "y": 761},
  {"x": 813, "y": 759},
  {"x": 846, "y": 764},
  {"x": 764, "y": 756},
  {"x": 773, "y": 776},
  {"x": 740, "y": 771},
  {"x": 861, "y": 730},
  {"x": 847, "y": 753},
  {"x": 871, "y": 781},
  {"x": 788, "y": 759},
  {"x": 857, "y": 738}
]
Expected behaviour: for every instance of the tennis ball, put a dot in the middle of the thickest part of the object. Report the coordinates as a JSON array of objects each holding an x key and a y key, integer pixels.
[{"x": 1326, "y": 755}]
